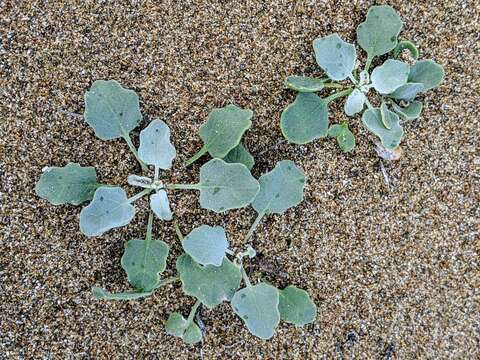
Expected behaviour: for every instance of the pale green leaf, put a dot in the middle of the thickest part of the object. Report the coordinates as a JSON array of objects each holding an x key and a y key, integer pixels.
[
  {"x": 240, "y": 154},
  {"x": 305, "y": 120},
  {"x": 161, "y": 206},
  {"x": 155, "y": 146},
  {"x": 407, "y": 92},
  {"x": 210, "y": 284},
  {"x": 143, "y": 261},
  {"x": 280, "y": 189},
  {"x": 355, "y": 102},
  {"x": 110, "y": 208},
  {"x": 295, "y": 306},
  {"x": 257, "y": 306},
  {"x": 406, "y": 45},
  {"x": 101, "y": 294},
  {"x": 428, "y": 73},
  {"x": 304, "y": 83},
  {"x": 192, "y": 334},
  {"x": 390, "y": 138},
  {"x": 206, "y": 245},
  {"x": 411, "y": 112},
  {"x": 111, "y": 110},
  {"x": 345, "y": 138},
  {"x": 71, "y": 184},
  {"x": 176, "y": 324},
  {"x": 335, "y": 56},
  {"x": 390, "y": 76}
]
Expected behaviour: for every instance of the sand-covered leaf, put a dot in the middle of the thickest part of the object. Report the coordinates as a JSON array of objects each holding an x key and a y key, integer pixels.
[
  {"x": 377, "y": 35},
  {"x": 155, "y": 146},
  {"x": 428, "y": 73},
  {"x": 111, "y": 110},
  {"x": 210, "y": 284},
  {"x": 102, "y": 294},
  {"x": 239, "y": 154},
  {"x": 71, "y": 184},
  {"x": 110, "y": 208},
  {"x": 161, "y": 206},
  {"x": 345, "y": 138},
  {"x": 410, "y": 112},
  {"x": 226, "y": 186},
  {"x": 305, "y": 120},
  {"x": 406, "y": 45},
  {"x": 192, "y": 334},
  {"x": 140, "y": 181},
  {"x": 407, "y": 92},
  {"x": 280, "y": 189},
  {"x": 355, "y": 102},
  {"x": 389, "y": 76},
  {"x": 206, "y": 245},
  {"x": 389, "y": 136},
  {"x": 304, "y": 83},
  {"x": 335, "y": 56},
  {"x": 257, "y": 306},
  {"x": 295, "y": 306},
  {"x": 176, "y": 324},
  {"x": 143, "y": 261}
]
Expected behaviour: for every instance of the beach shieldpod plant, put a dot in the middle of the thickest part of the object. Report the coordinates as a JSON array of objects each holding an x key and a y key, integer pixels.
[{"x": 395, "y": 85}]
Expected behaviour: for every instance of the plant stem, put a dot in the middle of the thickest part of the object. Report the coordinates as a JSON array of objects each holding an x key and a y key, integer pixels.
[
  {"x": 183, "y": 186},
  {"x": 245, "y": 277},
  {"x": 338, "y": 95},
  {"x": 157, "y": 171},
  {"x": 254, "y": 225},
  {"x": 333, "y": 86},
  {"x": 352, "y": 79},
  {"x": 198, "y": 155},
  {"x": 368, "y": 63},
  {"x": 178, "y": 232},
  {"x": 148, "y": 237},
  {"x": 134, "y": 151},
  {"x": 193, "y": 311},
  {"x": 139, "y": 195},
  {"x": 167, "y": 281}
]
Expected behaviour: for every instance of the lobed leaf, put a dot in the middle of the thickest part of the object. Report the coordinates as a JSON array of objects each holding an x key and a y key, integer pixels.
[
  {"x": 335, "y": 56},
  {"x": 143, "y": 261},
  {"x": 407, "y": 92},
  {"x": 304, "y": 83},
  {"x": 110, "y": 208},
  {"x": 295, "y": 306},
  {"x": 411, "y": 112},
  {"x": 390, "y": 76},
  {"x": 305, "y": 120},
  {"x": 257, "y": 306},
  {"x": 355, "y": 102},
  {"x": 71, "y": 184},
  {"x": 111, "y": 110},
  {"x": 155, "y": 146},
  {"x": 101, "y": 294},
  {"x": 344, "y": 136},
  {"x": 161, "y": 206},
  {"x": 206, "y": 245},
  {"x": 428, "y": 73},
  {"x": 390, "y": 138},
  {"x": 280, "y": 189},
  {"x": 210, "y": 284},
  {"x": 240, "y": 154}
]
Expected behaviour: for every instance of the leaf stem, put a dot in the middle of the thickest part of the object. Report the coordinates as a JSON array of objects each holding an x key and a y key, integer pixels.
[
  {"x": 193, "y": 311},
  {"x": 134, "y": 151},
  {"x": 157, "y": 171},
  {"x": 254, "y": 225},
  {"x": 369, "y": 62},
  {"x": 352, "y": 79},
  {"x": 167, "y": 281},
  {"x": 338, "y": 95},
  {"x": 148, "y": 237},
  {"x": 183, "y": 186},
  {"x": 369, "y": 105},
  {"x": 245, "y": 277},
  {"x": 139, "y": 195},
  {"x": 178, "y": 232},
  {"x": 333, "y": 86},
  {"x": 197, "y": 156}
]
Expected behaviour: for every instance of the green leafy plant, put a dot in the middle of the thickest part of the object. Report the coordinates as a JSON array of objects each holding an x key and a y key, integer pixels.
[
  {"x": 395, "y": 83},
  {"x": 205, "y": 270}
]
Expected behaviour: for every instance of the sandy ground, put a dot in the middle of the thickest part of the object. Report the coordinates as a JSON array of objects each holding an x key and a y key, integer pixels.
[{"x": 393, "y": 269}]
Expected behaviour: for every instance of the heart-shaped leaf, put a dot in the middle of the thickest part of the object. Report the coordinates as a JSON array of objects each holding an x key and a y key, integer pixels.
[
  {"x": 407, "y": 92},
  {"x": 428, "y": 73},
  {"x": 210, "y": 284},
  {"x": 355, "y": 102},
  {"x": 71, "y": 184},
  {"x": 390, "y": 76},
  {"x": 390, "y": 137},
  {"x": 143, "y": 261},
  {"x": 335, "y": 56},
  {"x": 192, "y": 334},
  {"x": 206, "y": 245},
  {"x": 295, "y": 306},
  {"x": 304, "y": 83},
  {"x": 155, "y": 146},
  {"x": 305, "y": 120},
  {"x": 411, "y": 112},
  {"x": 240, "y": 155},
  {"x": 111, "y": 110},
  {"x": 101, "y": 294},
  {"x": 161, "y": 206},
  {"x": 280, "y": 189},
  {"x": 344, "y": 136},
  {"x": 377, "y": 35},
  {"x": 110, "y": 208},
  {"x": 257, "y": 306}
]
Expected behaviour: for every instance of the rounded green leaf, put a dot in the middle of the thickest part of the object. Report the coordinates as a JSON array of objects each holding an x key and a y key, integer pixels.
[
  {"x": 428, "y": 73},
  {"x": 210, "y": 284},
  {"x": 71, "y": 184},
  {"x": 109, "y": 209},
  {"x": 335, "y": 56},
  {"x": 161, "y": 206},
  {"x": 143, "y": 260},
  {"x": 377, "y": 35},
  {"x": 111, "y": 110},
  {"x": 240, "y": 155},
  {"x": 257, "y": 306},
  {"x": 192, "y": 334},
  {"x": 390, "y": 76},
  {"x": 345, "y": 138},
  {"x": 101, "y": 294},
  {"x": 206, "y": 245},
  {"x": 280, "y": 189},
  {"x": 305, "y": 120},
  {"x": 304, "y": 83},
  {"x": 155, "y": 146},
  {"x": 295, "y": 306},
  {"x": 411, "y": 112},
  {"x": 406, "y": 45},
  {"x": 355, "y": 102},
  {"x": 407, "y": 92},
  {"x": 390, "y": 138},
  {"x": 176, "y": 324},
  {"x": 226, "y": 186}
]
